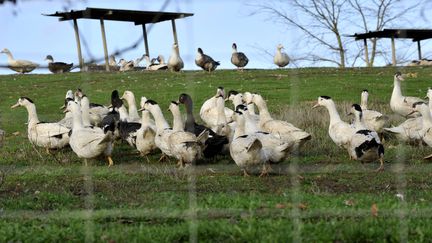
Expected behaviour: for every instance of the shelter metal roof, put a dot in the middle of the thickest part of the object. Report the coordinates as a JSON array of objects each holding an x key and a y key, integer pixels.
[
  {"x": 138, "y": 17},
  {"x": 414, "y": 34}
]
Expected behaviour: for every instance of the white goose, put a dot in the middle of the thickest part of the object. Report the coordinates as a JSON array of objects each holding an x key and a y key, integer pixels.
[
  {"x": 246, "y": 150},
  {"x": 133, "y": 115},
  {"x": 281, "y": 59},
  {"x": 426, "y": 131},
  {"x": 126, "y": 65},
  {"x": 152, "y": 66},
  {"x": 402, "y": 105},
  {"x": 282, "y": 129},
  {"x": 275, "y": 149},
  {"x": 239, "y": 59},
  {"x": 88, "y": 142},
  {"x": 20, "y": 66},
  {"x": 47, "y": 135},
  {"x": 96, "y": 109},
  {"x": 163, "y": 140},
  {"x": 67, "y": 120},
  {"x": 339, "y": 131},
  {"x": 209, "y": 111},
  {"x": 365, "y": 144},
  {"x": 185, "y": 146},
  {"x": 373, "y": 120},
  {"x": 175, "y": 63},
  {"x": 145, "y": 138}
]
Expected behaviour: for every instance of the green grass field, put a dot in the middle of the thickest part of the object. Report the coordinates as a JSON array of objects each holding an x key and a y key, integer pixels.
[{"x": 318, "y": 195}]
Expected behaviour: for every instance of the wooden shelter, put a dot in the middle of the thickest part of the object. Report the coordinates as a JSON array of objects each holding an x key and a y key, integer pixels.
[
  {"x": 416, "y": 35},
  {"x": 137, "y": 17}
]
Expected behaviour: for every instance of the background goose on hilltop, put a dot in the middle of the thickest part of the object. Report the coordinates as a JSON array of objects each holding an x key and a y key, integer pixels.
[
  {"x": 58, "y": 67},
  {"x": 20, "y": 66},
  {"x": 281, "y": 59},
  {"x": 239, "y": 59},
  {"x": 205, "y": 62},
  {"x": 175, "y": 63}
]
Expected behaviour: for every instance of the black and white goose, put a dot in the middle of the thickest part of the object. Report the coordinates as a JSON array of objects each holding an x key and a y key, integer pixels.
[
  {"x": 58, "y": 67},
  {"x": 215, "y": 143},
  {"x": 205, "y": 62},
  {"x": 365, "y": 144},
  {"x": 239, "y": 59}
]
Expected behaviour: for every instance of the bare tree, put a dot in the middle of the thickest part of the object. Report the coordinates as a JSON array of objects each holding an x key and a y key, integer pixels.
[
  {"x": 375, "y": 15},
  {"x": 319, "y": 23}
]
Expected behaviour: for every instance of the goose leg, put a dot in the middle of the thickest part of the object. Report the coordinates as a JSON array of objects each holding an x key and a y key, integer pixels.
[
  {"x": 148, "y": 160},
  {"x": 265, "y": 170},
  {"x": 162, "y": 158},
  {"x": 245, "y": 173},
  {"x": 110, "y": 161},
  {"x": 381, "y": 168},
  {"x": 85, "y": 162}
]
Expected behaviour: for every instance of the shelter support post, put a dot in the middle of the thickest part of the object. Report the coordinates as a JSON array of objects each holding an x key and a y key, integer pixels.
[
  {"x": 107, "y": 68},
  {"x": 145, "y": 40},
  {"x": 81, "y": 64},
  {"x": 419, "y": 50},
  {"x": 393, "y": 51},
  {"x": 174, "y": 31},
  {"x": 366, "y": 52}
]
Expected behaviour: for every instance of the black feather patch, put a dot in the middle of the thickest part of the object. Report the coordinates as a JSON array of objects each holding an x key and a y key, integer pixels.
[
  {"x": 418, "y": 103},
  {"x": 95, "y": 105},
  {"x": 232, "y": 92},
  {"x": 241, "y": 107},
  {"x": 266, "y": 133},
  {"x": 152, "y": 102},
  {"x": 183, "y": 98},
  {"x": 325, "y": 97},
  {"x": 398, "y": 73},
  {"x": 364, "y": 132},
  {"x": 243, "y": 136},
  {"x": 357, "y": 107},
  {"x": 365, "y": 90},
  {"x": 27, "y": 98},
  {"x": 220, "y": 87},
  {"x": 174, "y": 102},
  {"x": 366, "y": 146}
]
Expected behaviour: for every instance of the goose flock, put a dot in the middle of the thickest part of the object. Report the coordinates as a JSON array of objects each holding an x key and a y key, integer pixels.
[
  {"x": 254, "y": 141},
  {"x": 175, "y": 62}
]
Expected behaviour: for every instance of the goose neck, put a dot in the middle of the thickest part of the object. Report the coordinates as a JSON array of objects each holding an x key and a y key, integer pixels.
[
  {"x": 160, "y": 121},
  {"x": 133, "y": 111},
  {"x": 190, "y": 119},
  {"x": 363, "y": 102},
  {"x": 85, "y": 113},
  {"x": 240, "y": 128},
  {"x": 334, "y": 115},
  {"x": 426, "y": 118},
  {"x": 77, "y": 121},
  {"x": 178, "y": 125},
  {"x": 145, "y": 118},
  {"x": 10, "y": 57},
  {"x": 396, "y": 89},
  {"x": 264, "y": 113},
  {"x": 32, "y": 115}
]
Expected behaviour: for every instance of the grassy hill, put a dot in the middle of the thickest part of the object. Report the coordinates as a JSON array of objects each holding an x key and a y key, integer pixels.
[{"x": 316, "y": 195}]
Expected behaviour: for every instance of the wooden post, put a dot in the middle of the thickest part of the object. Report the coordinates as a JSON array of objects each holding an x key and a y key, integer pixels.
[
  {"x": 393, "y": 51},
  {"x": 419, "y": 50},
  {"x": 107, "y": 68},
  {"x": 174, "y": 31},
  {"x": 366, "y": 52},
  {"x": 77, "y": 38},
  {"x": 145, "y": 40}
]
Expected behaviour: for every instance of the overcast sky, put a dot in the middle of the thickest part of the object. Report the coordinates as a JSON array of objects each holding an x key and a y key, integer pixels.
[{"x": 214, "y": 27}]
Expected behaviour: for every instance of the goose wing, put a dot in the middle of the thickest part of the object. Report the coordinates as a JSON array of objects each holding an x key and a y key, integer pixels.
[{"x": 50, "y": 129}]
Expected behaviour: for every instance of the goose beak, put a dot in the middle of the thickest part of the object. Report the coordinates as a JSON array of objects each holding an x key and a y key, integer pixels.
[
  {"x": 349, "y": 113},
  {"x": 142, "y": 109},
  {"x": 62, "y": 107},
  {"x": 315, "y": 106},
  {"x": 110, "y": 106},
  {"x": 15, "y": 106}
]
